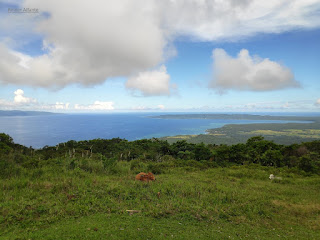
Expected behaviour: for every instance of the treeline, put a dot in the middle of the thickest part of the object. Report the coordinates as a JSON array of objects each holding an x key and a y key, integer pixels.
[{"x": 105, "y": 153}]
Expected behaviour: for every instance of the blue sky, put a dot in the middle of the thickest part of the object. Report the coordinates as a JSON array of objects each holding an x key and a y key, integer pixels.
[{"x": 203, "y": 56}]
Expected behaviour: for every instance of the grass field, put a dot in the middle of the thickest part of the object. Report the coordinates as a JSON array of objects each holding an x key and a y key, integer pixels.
[
  {"x": 238, "y": 202},
  {"x": 303, "y": 133}
]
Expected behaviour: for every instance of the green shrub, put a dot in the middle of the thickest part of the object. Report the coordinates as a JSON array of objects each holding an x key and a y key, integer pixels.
[
  {"x": 157, "y": 168},
  {"x": 9, "y": 169}
]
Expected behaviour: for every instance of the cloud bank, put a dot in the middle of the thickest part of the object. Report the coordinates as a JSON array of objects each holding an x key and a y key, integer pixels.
[
  {"x": 151, "y": 83},
  {"x": 248, "y": 73},
  {"x": 87, "y": 42},
  {"x": 20, "y": 101},
  {"x": 60, "y": 106},
  {"x": 159, "y": 107},
  {"x": 97, "y": 105}
]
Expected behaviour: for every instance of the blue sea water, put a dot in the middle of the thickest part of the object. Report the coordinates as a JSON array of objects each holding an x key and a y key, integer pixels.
[{"x": 38, "y": 131}]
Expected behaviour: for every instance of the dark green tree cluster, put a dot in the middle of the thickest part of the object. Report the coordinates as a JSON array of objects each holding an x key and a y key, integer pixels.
[{"x": 103, "y": 153}]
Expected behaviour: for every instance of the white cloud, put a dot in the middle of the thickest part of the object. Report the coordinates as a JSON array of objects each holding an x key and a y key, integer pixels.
[
  {"x": 141, "y": 108},
  {"x": 317, "y": 103},
  {"x": 17, "y": 29},
  {"x": 161, "y": 107},
  {"x": 91, "y": 41},
  {"x": 210, "y": 20},
  {"x": 298, "y": 105},
  {"x": 97, "y": 105},
  {"x": 6, "y": 105},
  {"x": 249, "y": 73},
  {"x": 61, "y": 105},
  {"x": 20, "y": 101},
  {"x": 151, "y": 83},
  {"x": 53, "y": 107},
  {"x": 19, "y": 98},
  {"x": 144, "y": 108},
  {"x": 286, "y": 105}
]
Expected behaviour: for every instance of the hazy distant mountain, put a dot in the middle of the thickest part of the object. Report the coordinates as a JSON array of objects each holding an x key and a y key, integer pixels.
[{"x": 23, "y": 113}]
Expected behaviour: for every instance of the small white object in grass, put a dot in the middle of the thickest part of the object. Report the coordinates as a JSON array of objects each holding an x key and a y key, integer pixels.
[{"x": 271, "y": 177}]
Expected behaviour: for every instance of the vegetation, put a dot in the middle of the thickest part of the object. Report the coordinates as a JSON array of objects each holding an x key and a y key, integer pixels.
[
  {"x": 297, "y": 130},
  {"x": 281, "y": 133},
  {"x": 81, "y": 190},
  {"x": 238, "y": 116}
]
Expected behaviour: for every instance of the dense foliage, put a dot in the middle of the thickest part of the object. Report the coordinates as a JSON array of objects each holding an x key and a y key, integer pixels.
[{"x": 102, "y": 154}]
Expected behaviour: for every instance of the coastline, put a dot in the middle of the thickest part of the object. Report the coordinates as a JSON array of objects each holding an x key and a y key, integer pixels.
[{"x": 299, "y": 129}]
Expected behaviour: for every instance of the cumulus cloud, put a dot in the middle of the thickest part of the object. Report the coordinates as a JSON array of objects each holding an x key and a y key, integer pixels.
[
  {"x": 151, "y": 83},
  {"x": 19, "y": 97},
  {"x": 87, "y": 42},
  {"x": 87, "y": 45},
  {"x": 97, "y": 105},
  {"x": 144, "y": 108},
  {"x": 317, "y": 103},
  {"x": 20, "y": 101},
  {"x": 249, "y": 73}
]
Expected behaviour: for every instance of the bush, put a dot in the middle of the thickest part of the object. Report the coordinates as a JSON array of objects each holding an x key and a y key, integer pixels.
[
  {"x": 9, "y": 169},
  {"x": 157, "y": 168},
  {"x": 307, "y": 164}
]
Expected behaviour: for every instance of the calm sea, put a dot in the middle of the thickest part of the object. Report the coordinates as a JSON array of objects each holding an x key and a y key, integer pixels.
[{"x": 38, "y": 131}]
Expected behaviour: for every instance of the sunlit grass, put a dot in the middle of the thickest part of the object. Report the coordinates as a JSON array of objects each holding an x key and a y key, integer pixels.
[
  {"x": 305, "y": 133},
  {"x": 185, "y": 202}
]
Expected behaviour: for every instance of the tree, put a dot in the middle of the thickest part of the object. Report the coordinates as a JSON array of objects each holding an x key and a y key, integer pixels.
[
  {"x": 257, "y": 146},
  {"x": 6, "y": 143},
  {"x": 186, "y": 155},
  {"x": 6, "y": 139},
  {"x": 202, "y": 152},
  {"x": 222, "y": 154},
  {"x": 238, "y": 153},
  {"x": 181, "y": 145},
  {"x": 272, "y": 158},
  {"x": 306, "y": 164}
]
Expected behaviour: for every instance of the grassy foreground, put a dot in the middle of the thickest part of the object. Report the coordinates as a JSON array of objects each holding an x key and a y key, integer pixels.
[{"x": 239, "y": 202}]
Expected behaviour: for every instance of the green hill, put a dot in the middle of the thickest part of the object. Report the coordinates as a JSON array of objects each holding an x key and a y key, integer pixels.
[{"x": 82, "y": 190}]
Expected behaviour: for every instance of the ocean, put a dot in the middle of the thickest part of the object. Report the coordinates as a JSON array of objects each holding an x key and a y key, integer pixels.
[{"x": 39, "y": 131}]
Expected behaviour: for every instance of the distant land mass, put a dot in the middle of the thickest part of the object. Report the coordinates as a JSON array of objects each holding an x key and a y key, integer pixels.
[
  {"x": 301, "y": 129},
  {"x": 237, "y": 117},
  {"x": 7, "y": 113}
]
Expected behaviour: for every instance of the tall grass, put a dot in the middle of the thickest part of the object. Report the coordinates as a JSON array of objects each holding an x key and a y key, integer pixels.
[{"x": 41, "y": 201}]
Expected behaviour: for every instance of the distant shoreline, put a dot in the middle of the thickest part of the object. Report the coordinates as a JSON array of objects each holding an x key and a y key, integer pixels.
[
  {"x": 301, "y": 129},
  {"x": 16, "y": 113},
  {"x": 237, "y": 116}
]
